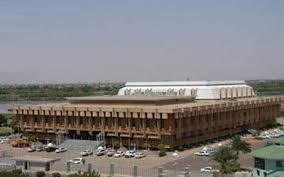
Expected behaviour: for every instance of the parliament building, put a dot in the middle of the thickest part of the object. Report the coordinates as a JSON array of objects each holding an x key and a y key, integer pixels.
[{"x": 173, "y": 113}]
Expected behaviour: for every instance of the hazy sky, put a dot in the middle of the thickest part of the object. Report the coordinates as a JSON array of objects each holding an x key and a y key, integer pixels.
[{"x": 140, "y": 40}]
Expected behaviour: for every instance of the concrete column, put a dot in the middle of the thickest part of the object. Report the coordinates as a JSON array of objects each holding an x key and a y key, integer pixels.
[
  {"x": 89, "y": 167},
  {"x": 54, "y": 123},
  {"x": 66, "y": 123},
  {"x": 111, "y": 170},
  {"x": 78, "y": 128},
  {"x": 47, "y": 166},
  {"x": 116, "y": 125},
  {"x": 90, "y": 122},
  {"x": 102, "y": 124},
  {"x": 20, "y": 116},
  {"x": 160, "y": 172},
  {"x": 135, "y": 171},
  {"x": 158, "y": 122},
  {"x": 31, "y": 117},
  {"x": 68, "y": 167},
  {"x": 144, "y": 126},
  {"x": 187, "y": 173},
  {"x": 130, "y": 124}
]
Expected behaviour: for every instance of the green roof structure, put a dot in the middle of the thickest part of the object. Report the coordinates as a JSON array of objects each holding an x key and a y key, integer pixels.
[
  {"x": 272, "y": 152},
  {"x": 279, "y": 141}
]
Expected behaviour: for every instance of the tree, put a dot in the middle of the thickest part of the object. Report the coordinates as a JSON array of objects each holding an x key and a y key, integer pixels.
[
  {"x": 226, "y": 158},
  {"x": 239, "y": 145},
  {"x": 85, "y": 174},
  {"x": 14, "y": 173}
]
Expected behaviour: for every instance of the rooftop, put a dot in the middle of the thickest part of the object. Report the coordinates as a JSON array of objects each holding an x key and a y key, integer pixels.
[
  {"x": 279, "y": 141},
  {"x": 147, "y": 100},
  {"x": 169, "y": 108},
  {"x": 184, "y": 83},
  {"x": 37, "y": 159},
  {"x": 272, "y": 152}
]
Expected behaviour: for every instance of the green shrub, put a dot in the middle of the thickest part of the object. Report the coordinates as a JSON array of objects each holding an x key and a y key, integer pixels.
[
  {"x": 85, "y": 174},
  {"x": 40, "y": 174},
  {"x": 56, "y": 175},
  {"x": 162, "y": 153},
  {"x": 180, "y": 148},
  {"x": 14, "y": 173},
  {"x": 161, "y": 146},
  {"x": 145, "y": 146},
  {"x": 116, "y": 145},
  {"x": 162, "y": 150}
]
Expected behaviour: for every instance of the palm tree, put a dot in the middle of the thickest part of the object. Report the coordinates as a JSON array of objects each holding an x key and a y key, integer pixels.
[
  {"x": 226, "y": 158},
  {"x": 239, "y": 145}
]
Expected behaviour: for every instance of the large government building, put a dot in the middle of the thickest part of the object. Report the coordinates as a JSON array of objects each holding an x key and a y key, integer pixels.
[{"x": 172, "y": 113}]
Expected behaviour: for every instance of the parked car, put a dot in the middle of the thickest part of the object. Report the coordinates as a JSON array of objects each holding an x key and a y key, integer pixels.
[
  {"x": 60, "y": 149},
  {"x": 203, "y": 153},
  {"x": 208, "y": 170},
  {"x": 31, "y": 149},
  {"x": 4, "y": 139},
  {"x": 139, "y": 155},
  {"x": 1, "y": 141},
  {"x": 265, "y": 136},
  {"x": 77, "y": 161},
  {"x": 110, "y": 153},
  {"x": 86, "y": 152},
  {"x": 101, "y": 152},
  {"x": 40, "y": 148},
  {"x": 118, "y": 154},
  {"x": 51, "y": 149},
  {"x": 129, "y": 154}
]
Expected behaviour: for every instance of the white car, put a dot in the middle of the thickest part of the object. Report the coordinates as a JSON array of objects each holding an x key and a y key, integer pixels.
[
  {"x": 101, "y": 152},
  {"x": 60, "y": 149},
  {"x": 118, "y": 154},
  {"x": 203, "y": 153},
  {"x": 86, "y": 153},
  {"x": 110, "y": 153},
  {"x": 129, "y": 154},
  {"x": 31, "y": 149},
  {"x": 77, "y": 161},
  {"x": 1, "y": 141},
  {"x": 265, "y": 137},
  {"x": 139, "y": 155},
  {"x": 208, "y": 170},
  {"x": 4, "y": 139}
]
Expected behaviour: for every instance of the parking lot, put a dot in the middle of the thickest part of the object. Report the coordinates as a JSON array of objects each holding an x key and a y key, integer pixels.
[{"x": 147, "y": 166}]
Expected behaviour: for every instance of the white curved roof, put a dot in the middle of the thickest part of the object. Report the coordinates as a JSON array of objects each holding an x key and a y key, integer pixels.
[
  {"x": 185, "y": 83},
  {"x": 199, "y": 89}
]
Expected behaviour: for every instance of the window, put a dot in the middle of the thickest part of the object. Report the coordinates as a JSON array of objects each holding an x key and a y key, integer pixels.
[
  {"x": 259, "y": 163},
  {"x": 258, "y": 173},
  {"x": 279, "y": 164}
]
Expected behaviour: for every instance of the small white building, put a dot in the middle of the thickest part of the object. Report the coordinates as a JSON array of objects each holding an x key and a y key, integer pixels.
[{"x": 202, "y": 90}]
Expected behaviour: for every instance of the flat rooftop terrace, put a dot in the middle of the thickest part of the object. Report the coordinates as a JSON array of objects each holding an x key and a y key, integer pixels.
[
  {"x": 138, "y": 106},
  {"x": 145, "y": 100}
]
